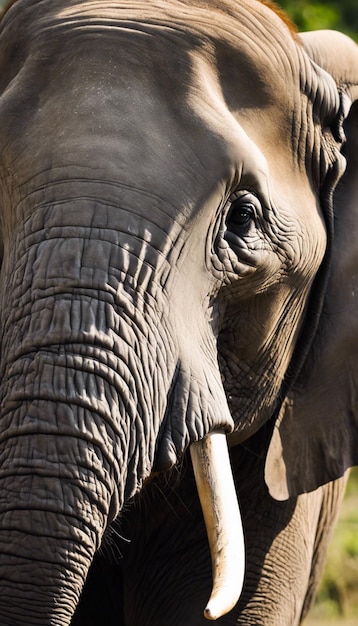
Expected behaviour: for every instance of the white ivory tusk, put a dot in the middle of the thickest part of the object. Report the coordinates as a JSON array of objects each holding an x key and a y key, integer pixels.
[{"x": 222, "y": 517}]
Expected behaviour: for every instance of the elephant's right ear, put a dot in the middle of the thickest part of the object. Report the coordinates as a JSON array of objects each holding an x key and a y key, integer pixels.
[{"x": 316, "y": 436}]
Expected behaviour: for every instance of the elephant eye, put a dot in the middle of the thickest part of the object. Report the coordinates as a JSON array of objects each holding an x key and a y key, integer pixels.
[{"x": 241, "y": 215}]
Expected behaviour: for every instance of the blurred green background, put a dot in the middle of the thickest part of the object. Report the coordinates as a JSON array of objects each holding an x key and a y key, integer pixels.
[
  {"x": 337, "y": 601},
  {"x": 340, "y": 15}
]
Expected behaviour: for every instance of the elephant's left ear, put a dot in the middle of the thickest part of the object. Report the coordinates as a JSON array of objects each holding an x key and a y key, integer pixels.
[{"x": 315, "y": 439}]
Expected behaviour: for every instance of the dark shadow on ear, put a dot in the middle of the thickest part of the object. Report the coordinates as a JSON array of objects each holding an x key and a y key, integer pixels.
[{"x": 315, "y": 438}]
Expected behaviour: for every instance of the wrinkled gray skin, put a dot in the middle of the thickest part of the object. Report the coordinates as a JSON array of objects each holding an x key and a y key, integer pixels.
[{"x": 167, "y": 171}]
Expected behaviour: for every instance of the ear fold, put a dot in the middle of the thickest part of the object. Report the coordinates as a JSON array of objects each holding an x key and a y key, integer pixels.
[{"x": 316, "y": 436}]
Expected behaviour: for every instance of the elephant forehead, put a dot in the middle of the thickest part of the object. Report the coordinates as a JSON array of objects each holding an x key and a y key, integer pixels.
[
  {"x": 243, "y": 39},
  {"x": 87, "y": 63},
  {"x": 221, "y": 30},
  {"x": 166, "y": 84},
  {"x": 119, "y": 120}
]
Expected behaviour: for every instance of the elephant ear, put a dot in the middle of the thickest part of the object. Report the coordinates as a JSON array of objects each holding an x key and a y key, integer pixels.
[{"x": 315, "y": 438}]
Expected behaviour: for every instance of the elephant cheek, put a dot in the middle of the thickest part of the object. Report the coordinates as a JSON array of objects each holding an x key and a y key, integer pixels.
[{"x": 222, "y": 517}]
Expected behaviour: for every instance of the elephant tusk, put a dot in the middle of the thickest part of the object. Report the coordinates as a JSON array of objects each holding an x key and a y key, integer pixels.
[{"x": 222, "y": 517}]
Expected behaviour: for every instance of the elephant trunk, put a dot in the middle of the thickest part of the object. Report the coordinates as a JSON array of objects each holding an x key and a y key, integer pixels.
[
  {"x": 72, "y": 441},
  {"x": 66, "y": 467},
  {"x": 46, "y": 546},
  {"x": 222, "y": 517}
]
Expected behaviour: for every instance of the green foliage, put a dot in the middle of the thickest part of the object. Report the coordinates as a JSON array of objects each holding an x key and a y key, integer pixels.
[
  {"x": 337, "y": 600},
  {"x": 340, "y": 15},
  {"x": 352, "y": 487}
]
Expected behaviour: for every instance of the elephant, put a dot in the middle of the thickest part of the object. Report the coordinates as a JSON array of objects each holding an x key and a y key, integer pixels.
[{"x": 177, "y": 192}]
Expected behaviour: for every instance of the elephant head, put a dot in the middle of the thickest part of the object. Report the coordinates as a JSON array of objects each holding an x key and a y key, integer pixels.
[{"x": 167, "y": 174}]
